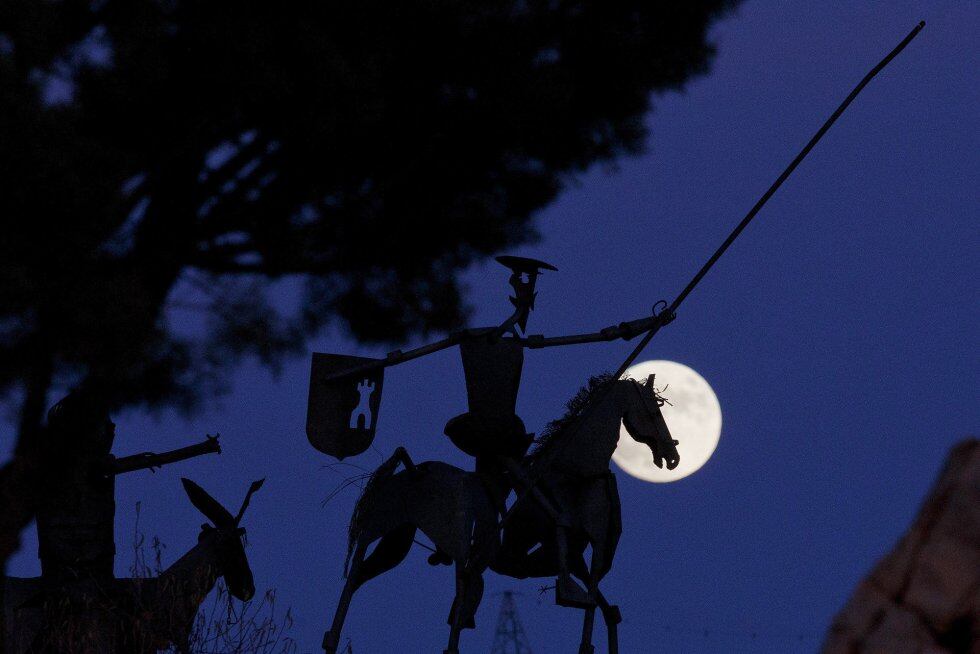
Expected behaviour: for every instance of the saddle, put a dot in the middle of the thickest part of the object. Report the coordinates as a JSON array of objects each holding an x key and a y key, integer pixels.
[{"x": 481, "y": 436}]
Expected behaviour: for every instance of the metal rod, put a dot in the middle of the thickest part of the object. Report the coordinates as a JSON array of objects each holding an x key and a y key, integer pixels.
[
  {"x": 624, "y": 330},
  {"x": 769, "y": 193},
  {"x": 668, "y": 314},
  {"x": 396, "y": 357}
]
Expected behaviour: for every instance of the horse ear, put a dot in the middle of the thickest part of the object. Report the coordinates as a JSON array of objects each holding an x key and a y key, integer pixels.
[{"x": 207, "y": 505}]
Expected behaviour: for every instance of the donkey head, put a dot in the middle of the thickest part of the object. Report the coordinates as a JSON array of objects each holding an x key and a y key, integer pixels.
[
  {"x": 645, "y": 423},
  {"x": 226, "y": 537}
]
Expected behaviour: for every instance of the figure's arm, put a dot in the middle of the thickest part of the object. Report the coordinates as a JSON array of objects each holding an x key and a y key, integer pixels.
[
  {"x": 624, "y": 330},
  {"x": 151, "y": 460},
  {"x": 398, "y": 356}
]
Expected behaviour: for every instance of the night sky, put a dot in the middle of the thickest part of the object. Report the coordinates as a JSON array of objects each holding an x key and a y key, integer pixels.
[{"x": 839, "y": 333}]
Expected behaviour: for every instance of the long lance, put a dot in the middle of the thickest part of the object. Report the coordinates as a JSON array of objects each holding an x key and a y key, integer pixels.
[
  {"x": 529, "y": 482},
  {"x": 669, "y": 313}
]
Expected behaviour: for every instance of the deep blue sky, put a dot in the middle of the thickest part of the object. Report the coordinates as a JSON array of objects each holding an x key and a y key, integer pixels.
[{"x": 839, "y": 334}]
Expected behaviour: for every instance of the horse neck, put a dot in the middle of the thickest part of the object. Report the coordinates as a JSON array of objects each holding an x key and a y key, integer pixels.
[{"x": 592, "y": 441}]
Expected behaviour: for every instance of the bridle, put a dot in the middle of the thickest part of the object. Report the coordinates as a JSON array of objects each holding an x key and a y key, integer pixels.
[{"x": 651, "y": 404}]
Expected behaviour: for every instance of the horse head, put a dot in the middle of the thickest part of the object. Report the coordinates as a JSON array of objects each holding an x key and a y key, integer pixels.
[
  {"x": 645, "y": 423},
  {"x": 225, "y": 538}
]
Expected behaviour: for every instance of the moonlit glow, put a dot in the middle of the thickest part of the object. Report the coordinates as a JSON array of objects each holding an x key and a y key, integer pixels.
[{"x": 693, "y": 417}]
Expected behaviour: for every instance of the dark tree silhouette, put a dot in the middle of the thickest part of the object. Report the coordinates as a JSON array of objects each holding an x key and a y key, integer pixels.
[{"x": 166, "y": 155}]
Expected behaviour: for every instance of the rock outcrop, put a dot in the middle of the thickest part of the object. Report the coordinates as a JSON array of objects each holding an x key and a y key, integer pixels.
[{"x": 924, "y": 596}]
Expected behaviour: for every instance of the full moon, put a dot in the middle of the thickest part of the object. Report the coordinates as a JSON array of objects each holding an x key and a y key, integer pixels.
[{"x": 693, "y": 417}]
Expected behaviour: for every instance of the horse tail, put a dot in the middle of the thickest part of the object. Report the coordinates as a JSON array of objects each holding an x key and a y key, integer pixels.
[{"x": 384, "y": 472}]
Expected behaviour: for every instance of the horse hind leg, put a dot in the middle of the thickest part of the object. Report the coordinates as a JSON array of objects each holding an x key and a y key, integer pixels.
[
  {"x": 331, "y": 639},
  {"x": 612, "y": 617},
  {"x": 610, "y": 614},
  {"x": 390, "y": 551}
]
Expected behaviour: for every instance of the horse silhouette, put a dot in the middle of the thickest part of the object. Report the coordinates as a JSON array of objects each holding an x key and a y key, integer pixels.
[{"x": 573, "y": 505}]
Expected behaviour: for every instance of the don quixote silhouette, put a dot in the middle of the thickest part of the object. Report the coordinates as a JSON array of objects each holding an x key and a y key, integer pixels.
[
  {"x": 565, "y": 497},
  {"x": 575, "y": 502},
  {"x": 196, "y": 202}
]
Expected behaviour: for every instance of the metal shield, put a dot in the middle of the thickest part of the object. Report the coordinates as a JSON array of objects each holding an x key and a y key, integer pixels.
[{"x": 342, "y": 414}]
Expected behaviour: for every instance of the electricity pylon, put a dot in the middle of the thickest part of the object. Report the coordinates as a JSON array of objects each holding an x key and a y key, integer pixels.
[{"x": 509, "y": 638}]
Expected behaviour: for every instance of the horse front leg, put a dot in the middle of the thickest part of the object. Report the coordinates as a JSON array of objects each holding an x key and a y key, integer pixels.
[
  {"x": 331, "y": 639},
  {"x": 612, "y": 617},
  {"x": 610, "y": 612},
  {"x": 590, "y": 577},
  {"x": 585, "y": 646},
  {"x": 567, "y": 592}
]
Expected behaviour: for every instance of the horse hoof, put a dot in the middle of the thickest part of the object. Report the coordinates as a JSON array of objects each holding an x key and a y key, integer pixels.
[
  {"x": 330, "y": 642},
  {"x": 569, "y": 593},
  {"x": 586, "y": 649}
]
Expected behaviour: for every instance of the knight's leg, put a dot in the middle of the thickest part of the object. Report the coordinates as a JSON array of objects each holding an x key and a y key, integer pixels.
[
  {"x": 567, "y": 592},
  {"x": 331, "y": 639}
]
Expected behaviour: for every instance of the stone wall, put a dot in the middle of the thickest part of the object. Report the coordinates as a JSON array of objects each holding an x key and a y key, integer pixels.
[{"x": 924, "y": 596}]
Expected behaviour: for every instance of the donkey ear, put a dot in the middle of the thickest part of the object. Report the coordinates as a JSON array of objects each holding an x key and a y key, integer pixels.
[
  {"x": 256, "y": 485},
  {"x": 207, "y": 504}
]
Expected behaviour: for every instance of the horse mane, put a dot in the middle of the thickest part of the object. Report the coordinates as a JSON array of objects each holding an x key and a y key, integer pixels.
[{"x": 555, "y": 430}]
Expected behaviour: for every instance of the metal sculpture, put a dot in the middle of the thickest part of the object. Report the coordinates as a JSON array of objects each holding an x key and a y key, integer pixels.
[
  {"x": 164, "y": 607},
  {"x": 565, "y": 496},
  {"x": 76, "y": 493},
  {"x": 77, "y": 604},
  {"x": 577, "y": 506},
  {"x": 577, "y": 498},
  {"x": 131, "y": 615}
]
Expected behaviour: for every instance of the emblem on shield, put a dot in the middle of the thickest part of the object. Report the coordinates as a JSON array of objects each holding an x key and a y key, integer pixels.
[{"x": 342, "y": 414}]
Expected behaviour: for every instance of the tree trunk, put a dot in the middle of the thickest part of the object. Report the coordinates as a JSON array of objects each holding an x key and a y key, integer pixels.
[{"x": 17, "y": 477}]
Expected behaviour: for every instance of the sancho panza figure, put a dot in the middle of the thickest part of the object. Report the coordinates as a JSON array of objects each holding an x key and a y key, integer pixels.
[
  {"x": 77, "y": 504},
  {"x": 77, "y": 507}
]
